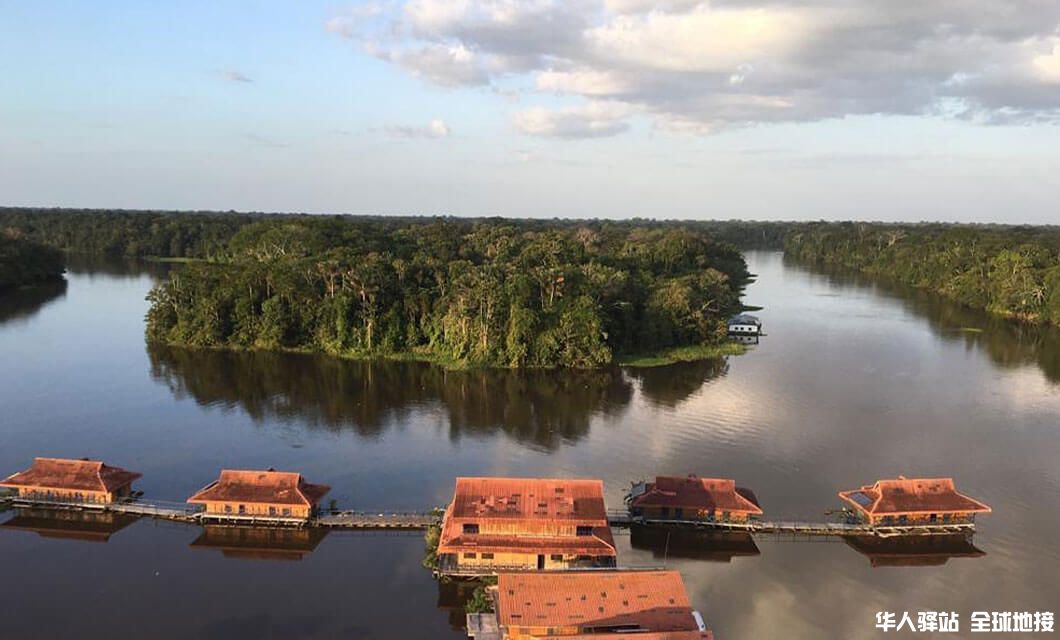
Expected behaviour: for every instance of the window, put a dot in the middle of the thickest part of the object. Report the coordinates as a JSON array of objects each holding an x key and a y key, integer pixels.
[
  {"x": 584, "y": 531},
  {"x": 556, "y": 557},
  {"x": 286, "y": 511},
  {"x": 272, "y": 511},
  {"x": 242, "y": 509},
  {"x": 470, "y": 556},
  {"x": 470, "y": 528},
  {"x": 487, "y": 556},
  {"x": 228, "y": 508}
]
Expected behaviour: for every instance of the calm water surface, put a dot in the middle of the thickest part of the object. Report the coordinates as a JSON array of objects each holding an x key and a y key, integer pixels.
[{"x": 855, "y": 381}]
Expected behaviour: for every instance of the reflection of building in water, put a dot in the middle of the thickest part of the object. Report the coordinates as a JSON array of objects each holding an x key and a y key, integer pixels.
[
  {"x": 692, "y": 499},
  {"x": 914, "y": 551},
  {"x": 90, "y": 526},
  {"x": 903, "y": 501},
  {"x": 693, "y": 544},
  {"x": 594, "y": 604},
  {"x": 260, "y": 495},
  {"x": 523, "y": 524},
  {"x": 71, "y": 481},
  {"x": 453, "y": 596},
  {"x": 260, "y": 543}
]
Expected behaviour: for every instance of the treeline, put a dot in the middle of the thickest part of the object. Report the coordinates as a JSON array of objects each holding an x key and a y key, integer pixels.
[
  {"x": 134, "y": 234},
  {"x": 1006, "y": 270},
  {"x": 483, "y": 292},
  {"x": 24, "y": 262}
]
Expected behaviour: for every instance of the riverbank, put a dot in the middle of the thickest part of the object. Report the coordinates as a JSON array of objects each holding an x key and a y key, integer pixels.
[{"x": 669, "y": 356}]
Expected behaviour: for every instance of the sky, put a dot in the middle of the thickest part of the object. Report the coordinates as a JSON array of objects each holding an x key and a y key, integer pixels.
[{"x": 754, "y": 109}]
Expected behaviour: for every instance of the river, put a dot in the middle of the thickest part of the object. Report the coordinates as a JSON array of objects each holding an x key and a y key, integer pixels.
[{"x": 856, "y": 380}]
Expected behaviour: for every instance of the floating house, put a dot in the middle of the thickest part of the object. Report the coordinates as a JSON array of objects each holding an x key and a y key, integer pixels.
[
  {"x": 913, "y": 501},
  {"x": 744, "y": 324},
  {"x": 692, "y": 499},
  {"x": 77, "y": 482},
  {"x": 519, "y": 524},
  {"x": 589, "y": 604},
  {"x": 279, "y": 496}
]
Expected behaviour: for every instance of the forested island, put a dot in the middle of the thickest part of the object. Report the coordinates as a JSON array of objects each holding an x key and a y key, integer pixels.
[
  {"x": 24, "y": 262},
  {"x": 498, "y": 292},
  {"x": 1012, "y": 271},
  {"x": 482, "y": 293}
]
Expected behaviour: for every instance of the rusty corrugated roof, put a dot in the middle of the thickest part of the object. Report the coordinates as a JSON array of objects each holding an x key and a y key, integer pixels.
[
  {"x": 268, "y": 487},
  {"x": 72, "y": 475},
  {"x": 693, "y": 492},
  {"x": 647, "y": 604},
  {"x": 529, "y": 498},
  {"x": 912, "y": 495}
]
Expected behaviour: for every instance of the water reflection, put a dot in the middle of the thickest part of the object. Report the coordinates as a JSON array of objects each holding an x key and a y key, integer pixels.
[
  {"x": 673, "y": 542},
  {"x": 89, "y": 526},
  {"x": 23, "y": 304},
  {"x": 538, "y": 408},
  {"x": 453, "y": 596},
  {"x": 1009, "y": 344},
  {"x": 917, "y": 551},
  {"x": 671, "y": 385},
  {"x": 260, "y": 543}
]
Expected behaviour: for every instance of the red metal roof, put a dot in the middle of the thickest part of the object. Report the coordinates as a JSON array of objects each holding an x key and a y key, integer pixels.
[
  {"x": 529, "y": 499},
  {"x": 71, "y": 475},
  {"x": 534, "y": 502},
  {"x": 693, "y": 492},
  {"x": 652, "y": 604},
  {"x": 912, "y": 495},
  {"x": 269, "y": 487},
  {"x": 600, "y": 543}
]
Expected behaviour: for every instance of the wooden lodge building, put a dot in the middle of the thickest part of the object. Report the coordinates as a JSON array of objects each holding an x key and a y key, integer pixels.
[
  {"x": 277, "y": 496},
  {"x": 76, "y": 482},
  {"x": 907, "y": 501},
  {"x": 692, "y": 499},
  {"x": 518, "y": 524},
  {"x": 649, "y": 605}
]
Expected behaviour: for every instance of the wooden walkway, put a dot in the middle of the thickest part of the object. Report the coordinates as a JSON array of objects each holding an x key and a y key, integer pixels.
[
  {"x": 358, "y": 520},
  {"x": 801, "y": 528},
  {"x": 419, "y": 520}
]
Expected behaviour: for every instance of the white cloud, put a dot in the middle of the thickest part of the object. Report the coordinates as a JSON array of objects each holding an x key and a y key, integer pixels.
[
  {"x": 1047, "y": 65},
  {"x": 435, "y": 129},
  {"x": 594, "y": 120},
  {"x": 701, "y": 66}
]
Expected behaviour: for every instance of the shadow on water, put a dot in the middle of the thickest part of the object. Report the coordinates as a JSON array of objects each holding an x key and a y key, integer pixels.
[
  {"x": 88, "y": 526},
  {"x": 692, "y": 544},
  {"x": 260, "y": 543},
  {"x": 671, "y": 385},
  {"x": 22, "y": 304},
  {"x": 917, "y": 551},
  {"x": 114, "y": 267},
  {"x": 542, "y": 408},
  {"x": 1009, "y": 344}
]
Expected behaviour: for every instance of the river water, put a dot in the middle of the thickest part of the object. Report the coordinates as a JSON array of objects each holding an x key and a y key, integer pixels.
[{"x": 855, "y": 381}]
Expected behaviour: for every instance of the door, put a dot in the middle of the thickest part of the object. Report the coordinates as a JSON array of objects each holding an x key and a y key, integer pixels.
[{"x": 540, "y": 561}]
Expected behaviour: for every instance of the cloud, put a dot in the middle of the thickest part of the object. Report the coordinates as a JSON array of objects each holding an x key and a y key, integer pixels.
[
  {"x": 701, "y": 66},
  {"x": 236, "y": 76},
  {"x": 595, "y": 120},
  {"x": 435, "y": 129}
]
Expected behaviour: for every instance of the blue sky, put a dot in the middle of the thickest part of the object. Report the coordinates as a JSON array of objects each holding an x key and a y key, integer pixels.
[{"x": 582, "y": 108}]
